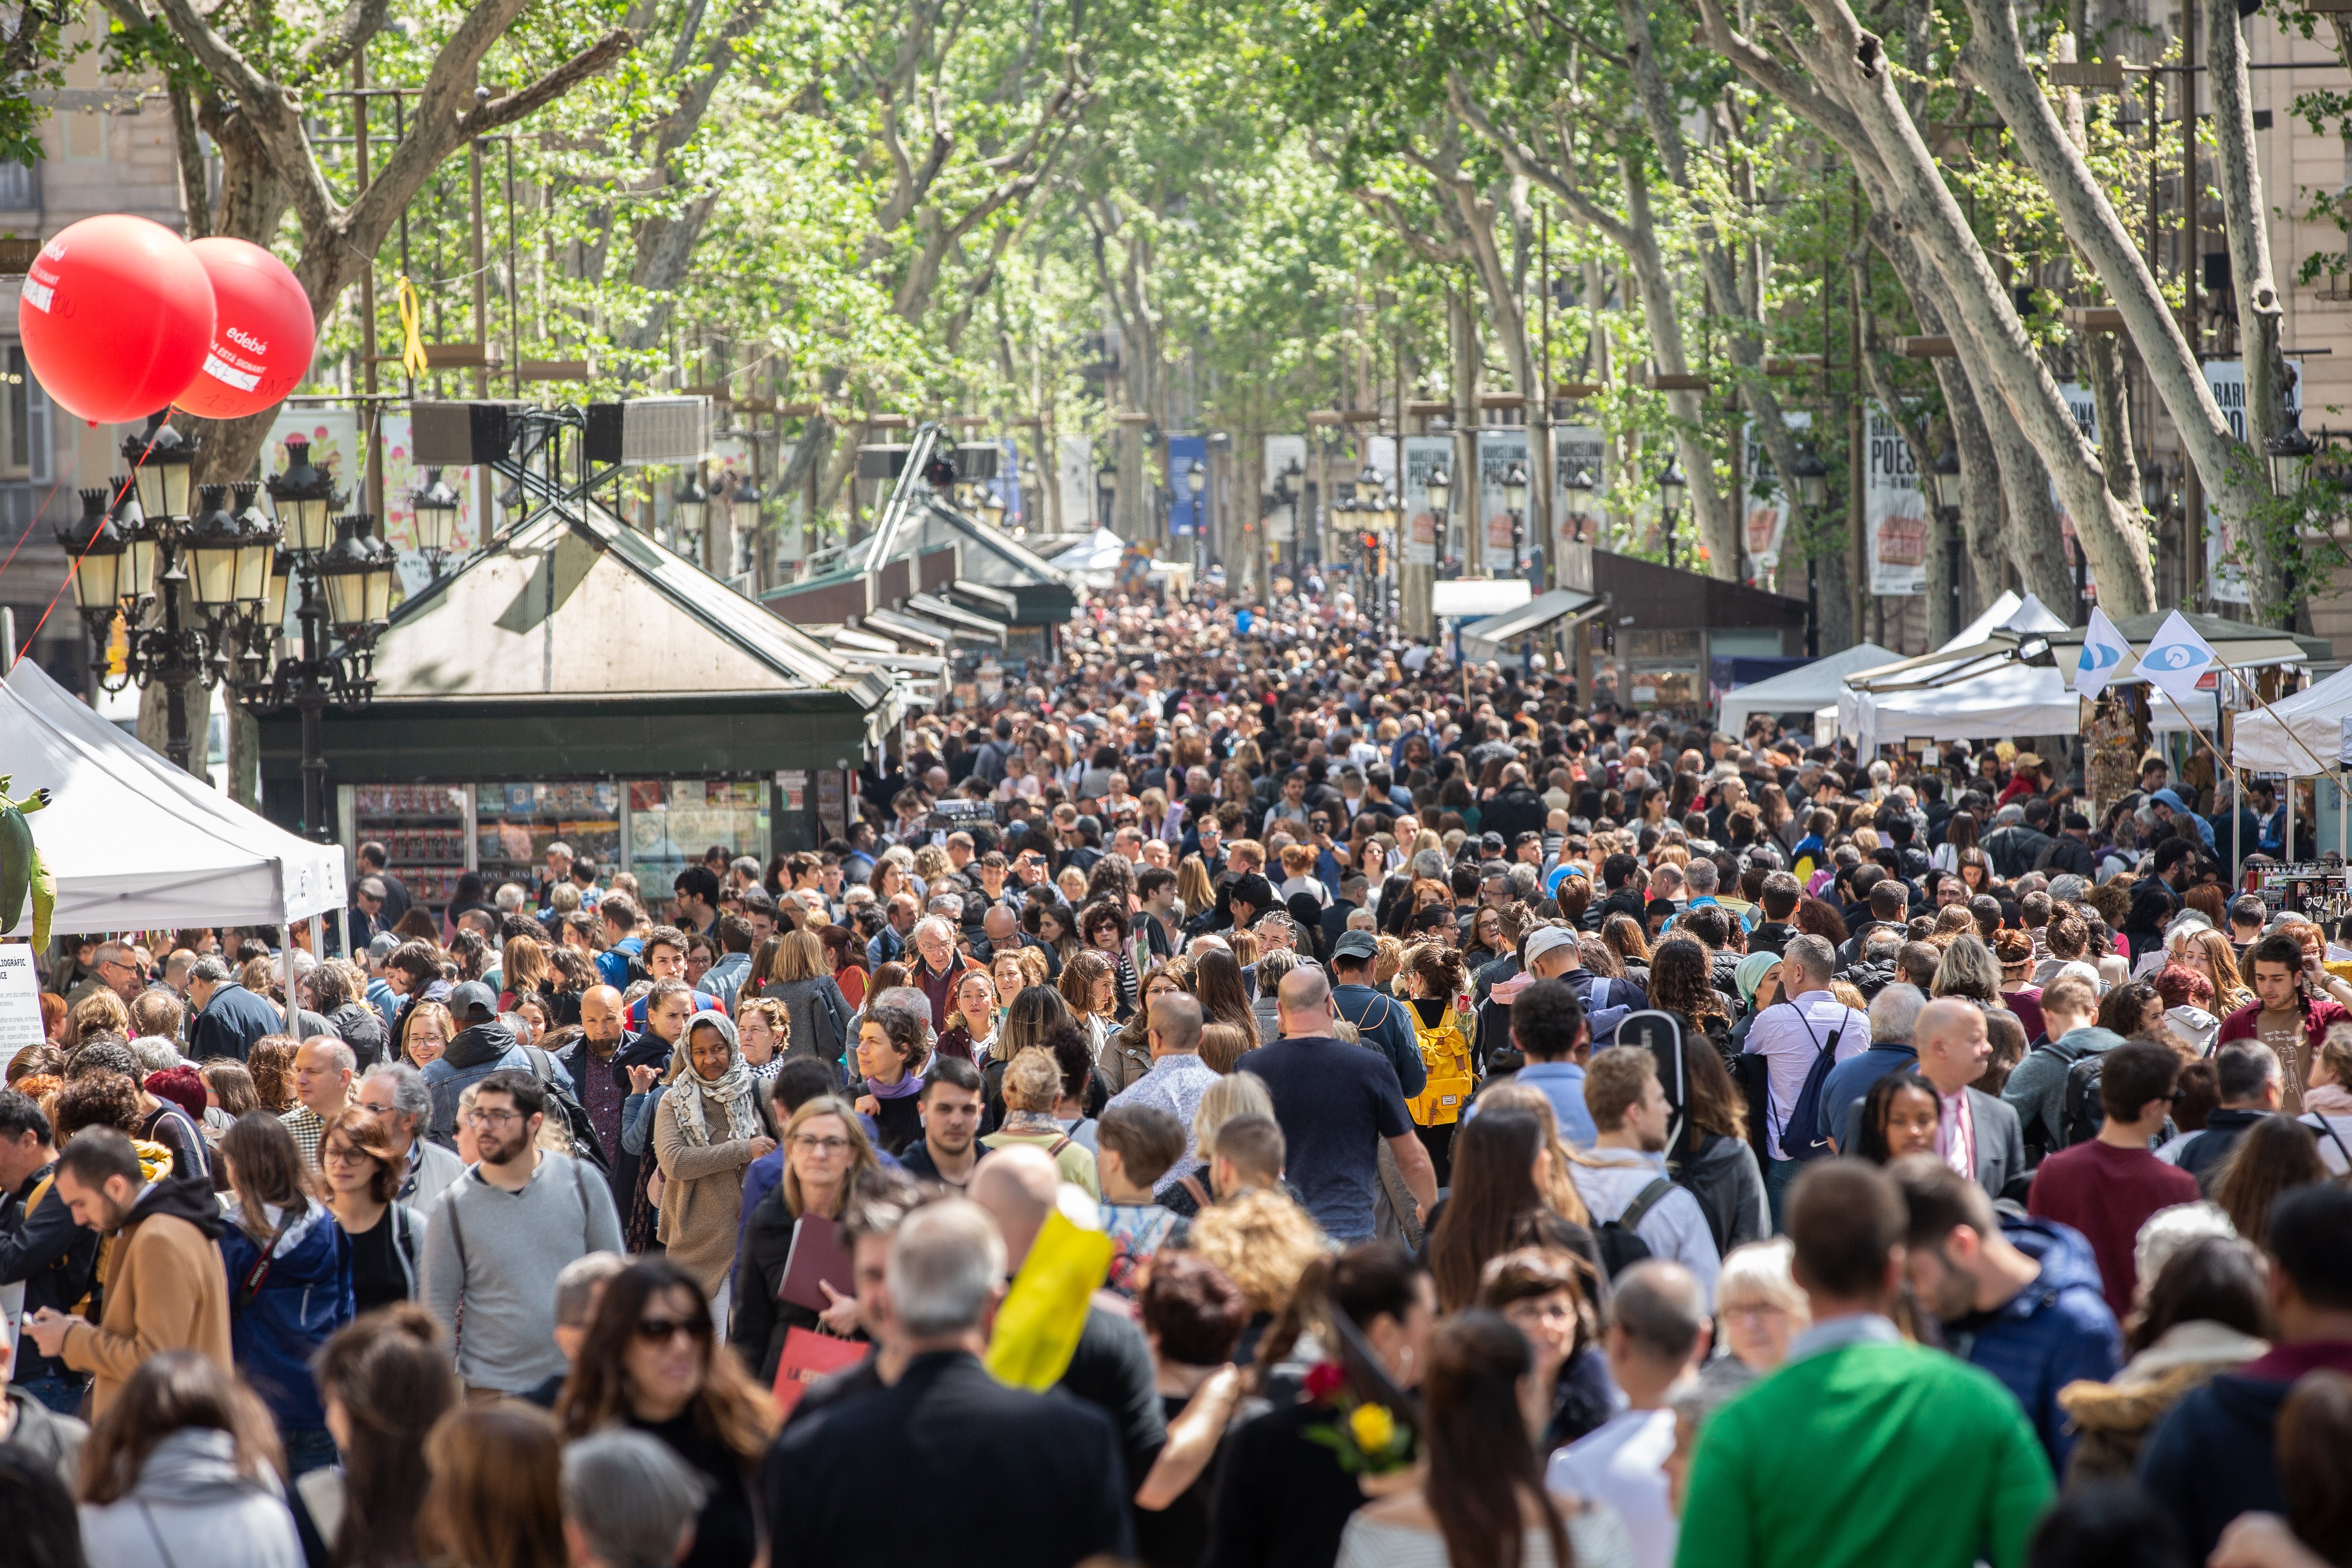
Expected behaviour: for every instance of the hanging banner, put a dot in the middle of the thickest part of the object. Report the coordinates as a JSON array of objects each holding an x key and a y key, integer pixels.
[
  {"x": 1764, "y": 519},
  {"x": 2225, "y": 578},
  {"x": 2085, "y": 406},
  {"x": 1894, "y": 510},
  {"x": 1185, "y": 509},
  {"x": 1423, "y": 455},
  {"x": 402, "y": 476},
  {"x": 1499, "y": 451},
  {"x": 1073, "y": 478},
  {"x": 1578, "y": 448}
]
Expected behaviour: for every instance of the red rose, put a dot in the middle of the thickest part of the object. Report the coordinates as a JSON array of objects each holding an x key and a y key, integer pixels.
[{"x": 1323, "y": 1379}]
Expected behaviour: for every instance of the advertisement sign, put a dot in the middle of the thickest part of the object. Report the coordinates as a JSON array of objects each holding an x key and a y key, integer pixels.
[
  {"x": 1574, "y": 448},
  {"x": 1423, "y": 455},
  {"x": 1894, "y": 509},
  {"x": 1764, "y": 519},
  {"x": 1499, "y": 452},
  {"x": 2225, "y": 579},
  {"x": 1187, "y": 511},
  {"x": 20, "y": 1001}
]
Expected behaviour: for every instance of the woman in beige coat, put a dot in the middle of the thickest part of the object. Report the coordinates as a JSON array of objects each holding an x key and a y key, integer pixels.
[{"x": 709, "y": 1127}]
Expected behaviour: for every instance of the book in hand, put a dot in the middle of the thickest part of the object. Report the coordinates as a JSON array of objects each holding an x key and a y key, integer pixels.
[
  {"x": 817, "y": 1255},
  {"x": 808, "y": 1357}
]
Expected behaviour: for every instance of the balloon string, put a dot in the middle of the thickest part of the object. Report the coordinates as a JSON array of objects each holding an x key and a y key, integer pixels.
[
  {"x": 28, "y": 527},
  {"x": 75, "y": 571},
  {"x": 412, "y": 336}
]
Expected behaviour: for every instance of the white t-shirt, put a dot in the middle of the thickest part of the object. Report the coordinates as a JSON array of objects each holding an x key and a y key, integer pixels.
[{"x": 1622, "y": 1463}]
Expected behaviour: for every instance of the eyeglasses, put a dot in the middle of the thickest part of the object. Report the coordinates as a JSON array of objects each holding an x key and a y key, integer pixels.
[
  {"x": 333, "y": 1156},
  {"x": 820, "y": 1145},
  {"x": 662, "y": 1331},
  {"x": 478, "y": 1118}
]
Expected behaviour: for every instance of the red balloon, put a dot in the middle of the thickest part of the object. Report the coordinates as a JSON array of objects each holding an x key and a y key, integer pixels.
[
  {"x": 263, "y": 339},
  {"x": 116, "y": 314}
]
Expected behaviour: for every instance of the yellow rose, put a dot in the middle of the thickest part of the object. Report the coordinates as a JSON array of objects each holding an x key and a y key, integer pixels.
[{"x": 1373, "y": 1427}]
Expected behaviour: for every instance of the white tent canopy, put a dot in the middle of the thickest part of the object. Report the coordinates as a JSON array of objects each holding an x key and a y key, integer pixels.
[
  {"x": 2267, "y": 743},
  {"x": 135, "y": 844},
  {"x": 1099, "y": 553},
  {"x": 1807, "y": 688},
  {"x": 2009, "y": 702}
]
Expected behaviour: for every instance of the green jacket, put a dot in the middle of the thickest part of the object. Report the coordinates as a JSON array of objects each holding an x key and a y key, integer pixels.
[{"x": 1867, "y": 1454}]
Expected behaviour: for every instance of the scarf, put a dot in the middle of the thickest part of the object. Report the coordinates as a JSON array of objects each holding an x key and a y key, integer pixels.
[
  {"x": 736, "y": 1089},
  {"x": 905, "y": 1088},
  {"x": 2328, "y": 1100}
]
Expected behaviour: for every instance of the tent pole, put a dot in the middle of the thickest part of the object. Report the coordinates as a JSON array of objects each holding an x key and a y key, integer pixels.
[
  {"x": 343, "y": 930},
  {"x": 293, "y": 1003},
  {"x": 317, "y": 936}
]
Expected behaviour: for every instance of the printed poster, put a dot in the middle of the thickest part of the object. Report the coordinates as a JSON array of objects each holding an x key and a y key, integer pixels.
[
  {"x": 1499, "y": 452},
  {"x": 1764, "y": 519},
  {"x": 1579, "y": 449},
  {"x": 1423, "y": 457},
  {"x": 1895, "y": 511},
  {"x": 2225, "y": 579}
]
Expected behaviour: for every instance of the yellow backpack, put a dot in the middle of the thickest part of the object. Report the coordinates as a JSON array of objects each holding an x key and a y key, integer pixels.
[{"x": 1445, "y": 1057}]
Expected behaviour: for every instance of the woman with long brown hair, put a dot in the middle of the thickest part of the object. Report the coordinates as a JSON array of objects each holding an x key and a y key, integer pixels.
[
  {"x": 1481, "y": 1496},
  {"x": 1720, "y": 1169},
  {"x": 359, "y": 1176},
  {"x": 185, "y": 1455},
  {"x": 1500, "y": 1169},
  {"x": 386, "y": 1381},
  {"x": 651, "y": 1360},
  {"x": 1217, "y": 986},
  {"x": 494, "y": 1498},
  {"x": 1623, "y": 934},
  {"x": 2273, "y": 1156},
  {"x": 1681, "y": 982}
]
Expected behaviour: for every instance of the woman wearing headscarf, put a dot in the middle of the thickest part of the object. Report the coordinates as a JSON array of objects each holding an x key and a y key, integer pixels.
[{"x": 711, "y": 1125}]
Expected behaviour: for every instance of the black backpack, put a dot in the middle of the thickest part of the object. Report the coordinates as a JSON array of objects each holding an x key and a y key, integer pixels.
[
  {"x": 562, "y": 1102},
  {"x": 1804, "y": 1136},
  {"x": 2082, "y": 1112},
  {"x": 1621, "y": 1246}
]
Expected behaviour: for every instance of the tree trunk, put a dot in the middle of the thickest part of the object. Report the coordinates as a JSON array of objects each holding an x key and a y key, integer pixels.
[
  {"x": 1995, "y": 60},
  {"x": 2259, "y": 310},
  {"x": 1711, "y": 508}
]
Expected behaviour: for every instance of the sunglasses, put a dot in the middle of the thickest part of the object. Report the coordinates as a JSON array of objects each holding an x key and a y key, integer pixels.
[{"x": 662, "y": 1331}]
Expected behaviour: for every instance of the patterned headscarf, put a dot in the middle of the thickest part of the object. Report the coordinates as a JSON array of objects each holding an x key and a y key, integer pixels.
[{"x": 736, "y": 1088}]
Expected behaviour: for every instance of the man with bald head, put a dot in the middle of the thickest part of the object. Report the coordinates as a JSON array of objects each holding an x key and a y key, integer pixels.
[
  {"x": 1978, "y": 1134},
  {"x": 1177, "y": 1077},
  {"x": 1018, "y": 1186},
  {"x": 1337, "y": 1103},
  {"x": 599, "y": 1063}
]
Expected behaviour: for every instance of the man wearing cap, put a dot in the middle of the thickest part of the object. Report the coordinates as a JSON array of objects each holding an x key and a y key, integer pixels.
[
  {"x": 1381, "y": 1022},
  {"x": 483, "y": 1046},
  {"x": 1545, "y": 952}
]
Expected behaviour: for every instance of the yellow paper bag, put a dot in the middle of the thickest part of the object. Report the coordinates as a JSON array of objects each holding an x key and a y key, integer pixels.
[{"x": 1038, "y": 1327}]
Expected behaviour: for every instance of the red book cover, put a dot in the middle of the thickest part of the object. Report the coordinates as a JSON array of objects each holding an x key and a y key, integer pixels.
[
  {"x": 817, "y": 1254},
  {"x": 808, "y": 1356}
]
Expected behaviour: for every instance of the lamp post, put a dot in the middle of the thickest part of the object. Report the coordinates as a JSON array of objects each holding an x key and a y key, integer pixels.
[
  {"x": 1580, "y": 504},
  {"x": 340, "y": 579},
  {"x": 1514, "y": 500},
  {"x": 1670, "y": 488},
  {"x": 1293, "y": 492},
  {"x": 1946, "y": 478},
  {"x": 148, "y": 556},
  {"x": 1196, "y": 485}
]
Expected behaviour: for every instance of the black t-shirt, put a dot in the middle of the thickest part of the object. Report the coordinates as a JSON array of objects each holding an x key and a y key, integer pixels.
[
  {"x": 726, "y": 1534},
  {"x": 1176, "y": 1536},
  {"x": 377, "y": 1278}
]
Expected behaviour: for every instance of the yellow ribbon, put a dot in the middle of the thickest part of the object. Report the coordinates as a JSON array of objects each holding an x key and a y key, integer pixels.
[{"x": 412, "y": 337}]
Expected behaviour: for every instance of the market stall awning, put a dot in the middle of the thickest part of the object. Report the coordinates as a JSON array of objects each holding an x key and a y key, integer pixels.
[
  {"x": 2010, "y": 703},
  {"x": 2008, "y": 627},
  {"x": 134, "y": 843},
  {"x": 969, "y": 626},
  {"x": 2302, "y": 735},
  {"x": 907, "y": 628},
  {"x": 985, "y": 599},
  {"x": 1099, "y": 552},
  {"x": 1806, "y": 690},
  {"x": 1478, "y": 597},
  {"x": 1538, "y": 613}
]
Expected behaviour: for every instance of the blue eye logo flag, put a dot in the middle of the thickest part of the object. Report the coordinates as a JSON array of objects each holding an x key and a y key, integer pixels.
[
  {"x": 2103, "y": 651},
  {"x": 2177, "y": 658}
]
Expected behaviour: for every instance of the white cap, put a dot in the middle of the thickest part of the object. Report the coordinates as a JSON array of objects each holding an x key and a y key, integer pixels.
[{"x": 1545, "y": 940}]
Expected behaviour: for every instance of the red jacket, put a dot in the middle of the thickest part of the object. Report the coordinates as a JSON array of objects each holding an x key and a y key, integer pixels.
[{"x": 2318, "y": 1013}]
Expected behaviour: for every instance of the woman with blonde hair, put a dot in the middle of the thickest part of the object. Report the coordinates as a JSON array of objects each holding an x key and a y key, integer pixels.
[
  {"x": 426, "y": 1032},
  {"x": 2207, "y": 951},
  {"x": 1034, "y": 1084},
  {"x": 99, "y": 1013},
  {"x": 1262, "y": 1241},
  {"x": 1194, "y": 891},
  {"x": 1234, "y": 1094},
  {"x": 826, "y": 1152},
  {"x": 817, "y": 1014}
]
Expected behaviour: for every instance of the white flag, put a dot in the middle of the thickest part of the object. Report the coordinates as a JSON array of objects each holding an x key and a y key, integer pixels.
[
  {"x": 2104, "y": 652},
  {"x": 2177, "y": 658}
]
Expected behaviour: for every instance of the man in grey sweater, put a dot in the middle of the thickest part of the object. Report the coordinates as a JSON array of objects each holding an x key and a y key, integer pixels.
[{"x": 503, "y": 1232}]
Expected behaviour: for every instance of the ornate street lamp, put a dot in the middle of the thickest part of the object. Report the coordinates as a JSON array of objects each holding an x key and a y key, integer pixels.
[
  {"x": 1580, "y": 502},
  {"x": 304, "y": 499},
  {"x": 1813, "y": 476},
  {"x": 688, "y": 503},
  {"x": 1672, "y": 488},
  {"x": 436, "y": 507}
]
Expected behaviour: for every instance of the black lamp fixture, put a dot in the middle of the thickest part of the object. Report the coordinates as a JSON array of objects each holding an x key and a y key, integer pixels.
[
  {"x": 436, "y": 507},
  {"x": 1813, "y": 476},
  {"x": 164, "y": 463},
  {"x": 304, "y": 499},
  {"x": 1440, "y": 487},
  {"x": 1945, "y": 475},
  {"x": 2286, "y": 453},
  {"x": 102, "y": 579},
  {"x": 688, "y": 503}
]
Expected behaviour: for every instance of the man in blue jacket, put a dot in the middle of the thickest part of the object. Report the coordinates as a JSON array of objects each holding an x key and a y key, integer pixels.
[
  {"x": 229, "y": 1018},
  {"x": 2019, "y": 1298}
]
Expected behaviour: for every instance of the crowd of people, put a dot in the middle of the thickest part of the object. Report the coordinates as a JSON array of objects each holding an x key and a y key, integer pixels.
[{"x": 1236, "y": 1097}]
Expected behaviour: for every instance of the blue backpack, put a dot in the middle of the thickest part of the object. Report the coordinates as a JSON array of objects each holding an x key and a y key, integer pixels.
[{"x": 1804, "y": 1136}]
